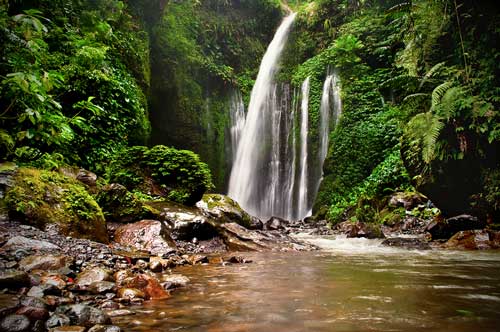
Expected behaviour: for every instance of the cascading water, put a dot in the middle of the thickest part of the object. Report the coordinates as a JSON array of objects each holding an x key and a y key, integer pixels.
[
  {"x": 237, "y": 118},
  {"x": 303, "y": 204},
  {"x": 254, "y": 181},
  {"x": 330, "y": 111},
  {"x": 270, "y": 174}
]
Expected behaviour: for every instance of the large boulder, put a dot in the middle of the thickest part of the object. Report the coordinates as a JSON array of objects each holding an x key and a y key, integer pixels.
[
  {"x": 149, "y": 235},
  {"x": 225, "y": 209},
  {"x": 239, "y": 238},
  {"x": 474, "y": 239},
  {"x": 41, "y": 197},
  {"x": 185, "y": 222},
  {"x": 45, "y": 262},
  {"x": 24, "y": 243},
  {"x": 444, "y": 229}
]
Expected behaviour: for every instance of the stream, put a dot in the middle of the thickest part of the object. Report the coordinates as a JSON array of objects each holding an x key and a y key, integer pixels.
[{"x": 349, "y": 285}]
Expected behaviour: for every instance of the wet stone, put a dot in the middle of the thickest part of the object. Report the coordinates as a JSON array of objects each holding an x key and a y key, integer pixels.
[
  {"x": 8, "y": 304},
  {"x": 84, "y": 315},
  {"x": 119, "y": 313},
  {"x": 33, "y": 313},
  {"x": 130, "y": 293},
  {"x": 92, "y": 275},
  {"x": 100, "y": 287},
  {"x": 45, "y": 262},
  {"x": 13, "y": 279},
  {"x": 73, "y": 328},
  {"x": 105, "y": 328},
  {"x": 15, "y": 323},
  {"x": 57, "y": 320}
]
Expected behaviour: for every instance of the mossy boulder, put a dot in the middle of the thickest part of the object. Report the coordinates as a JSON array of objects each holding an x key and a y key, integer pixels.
[
  {"x": 120, "y": 205},
  {"x": 224, "y": 209},
  {"x": 178, "y": 175},
  {"x": 40, "y": 197}
]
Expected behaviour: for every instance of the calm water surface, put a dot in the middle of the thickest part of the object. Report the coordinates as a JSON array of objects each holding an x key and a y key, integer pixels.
[{"x": 351, "y": 285}]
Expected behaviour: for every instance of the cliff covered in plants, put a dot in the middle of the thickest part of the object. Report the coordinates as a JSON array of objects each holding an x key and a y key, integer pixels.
[{"x": 420, "y": 105}]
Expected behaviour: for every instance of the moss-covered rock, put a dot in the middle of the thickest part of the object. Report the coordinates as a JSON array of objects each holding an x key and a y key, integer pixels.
[
  {"x": 178, "y": 175},
  {"x": 120, "y": 205},
  {"x": 41, "y": 197},
  {"x": 225, "y": 209}
]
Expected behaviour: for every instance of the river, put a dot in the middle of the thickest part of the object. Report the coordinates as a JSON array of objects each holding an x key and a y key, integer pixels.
[{"x": 349, "y": 285}]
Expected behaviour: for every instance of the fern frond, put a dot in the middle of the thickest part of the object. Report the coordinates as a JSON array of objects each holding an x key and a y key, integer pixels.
[
  {"x": 431, "y": 73},
  {"x": 447, "y": 107},
  {"x": 423, "y": 131},
  {"x": 438, "y": 93},
  {"x": 400, "y": 7},
  {"x": 398, "y": 81},
  {"x": 417, "y": 101}
]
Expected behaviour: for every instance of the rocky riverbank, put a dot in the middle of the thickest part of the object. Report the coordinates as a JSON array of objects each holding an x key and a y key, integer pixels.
[{"x": 54, "y": 282}]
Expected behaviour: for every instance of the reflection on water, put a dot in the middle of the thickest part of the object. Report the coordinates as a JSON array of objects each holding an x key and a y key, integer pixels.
[{"x": 352, "y": 285}]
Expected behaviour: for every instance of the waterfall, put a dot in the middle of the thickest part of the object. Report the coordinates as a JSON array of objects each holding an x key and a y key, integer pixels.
[
  {"x": 303, "y": 208},
  {"x": 257, "y": 175},
  {"x": 237, "y": 119},
  {"x": 330, "y": 111}
]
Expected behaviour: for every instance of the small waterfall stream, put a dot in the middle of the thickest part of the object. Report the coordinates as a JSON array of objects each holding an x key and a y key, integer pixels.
[
  {"x": 330, "y": 112},
  {"x": 237, "y": 119},
  {"x": 303, "y": 208}
]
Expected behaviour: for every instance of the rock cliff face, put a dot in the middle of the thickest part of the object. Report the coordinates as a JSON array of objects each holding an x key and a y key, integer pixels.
[{"x": 200, "y": 53}]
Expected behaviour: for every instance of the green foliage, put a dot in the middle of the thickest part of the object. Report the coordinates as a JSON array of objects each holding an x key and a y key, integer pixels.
[
  {"x": 67, "y": 80},
  {"x": 177, "y": 174},
  {"x": 389, "y": 176}
]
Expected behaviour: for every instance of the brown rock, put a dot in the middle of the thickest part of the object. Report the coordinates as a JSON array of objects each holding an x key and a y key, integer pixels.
[
  {"x": 171, "y": 281},
  {"x": 130, "y": 293},
  {"x": 14, "y": 279},
  {"x": 92, "y": 275},
  {"x": 33, "y": 313},
  {"x": 55, "y": 280},
  {"x": 8, "y": 304},
  {"x": 150, "y": 235},
  {"x": 73, "y": 328},
  {"x": 122, "y": 276},
  {"x": 101, "y": 287},
  {"x": 150, "y": 286},
  {"x": 45, "y": 262},
  {"x": 474, "y": 240},
  {"x": 197, "y": 259}
]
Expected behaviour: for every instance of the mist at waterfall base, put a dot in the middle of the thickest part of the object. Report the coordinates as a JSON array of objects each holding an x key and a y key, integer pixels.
[{"x": 270, "y": 173}]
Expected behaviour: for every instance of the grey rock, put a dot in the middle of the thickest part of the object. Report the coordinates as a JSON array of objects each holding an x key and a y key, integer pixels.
[
  {"x": 84, "y": 315},
  {"x": 21, "y": 242},
  {"x": 57, "y": 320},
  {"x": 15, "y": 323}
]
